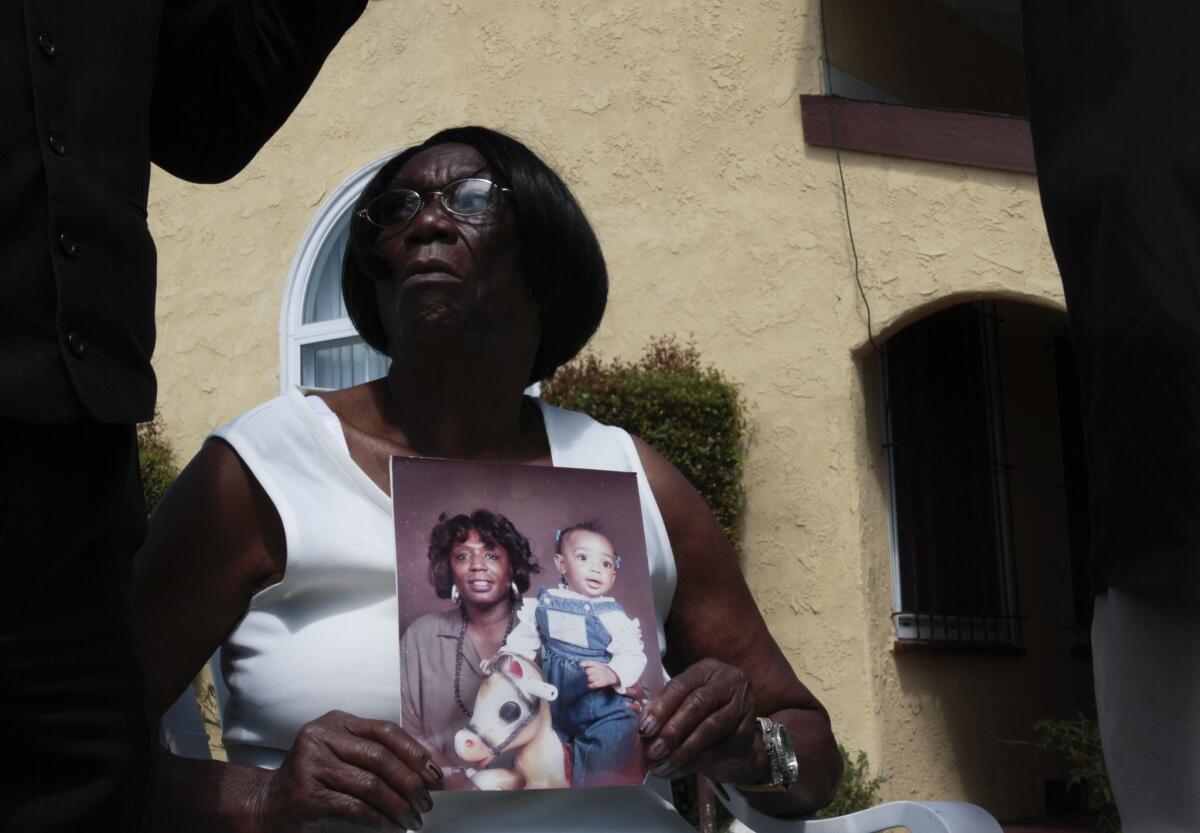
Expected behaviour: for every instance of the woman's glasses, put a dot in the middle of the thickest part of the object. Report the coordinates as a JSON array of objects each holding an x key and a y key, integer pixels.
[{"x": 462, "y": 198}]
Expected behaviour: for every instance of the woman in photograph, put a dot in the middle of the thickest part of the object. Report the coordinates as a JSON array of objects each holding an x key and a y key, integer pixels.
[
  {"x": 482, "y": 564},
  {"x": 471, "y": 265}
]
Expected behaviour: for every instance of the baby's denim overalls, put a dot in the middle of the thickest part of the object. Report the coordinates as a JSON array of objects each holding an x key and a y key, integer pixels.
[{"x": 599, "y": 724}]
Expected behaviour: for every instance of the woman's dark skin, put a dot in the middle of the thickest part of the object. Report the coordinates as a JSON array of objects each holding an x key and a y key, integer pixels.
[
  {"x": 489, "y": 609},
  {"x": 456, "y": 300}
]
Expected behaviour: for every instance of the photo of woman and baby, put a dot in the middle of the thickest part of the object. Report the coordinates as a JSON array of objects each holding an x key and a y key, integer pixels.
[{"x": 525, "y": 609}]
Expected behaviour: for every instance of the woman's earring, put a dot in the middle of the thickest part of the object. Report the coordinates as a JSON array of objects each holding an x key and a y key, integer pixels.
[
  {"x": 562, "y": 580},
  {"x": 515, "y": 591},
  {"x": 454, "y": 593}
]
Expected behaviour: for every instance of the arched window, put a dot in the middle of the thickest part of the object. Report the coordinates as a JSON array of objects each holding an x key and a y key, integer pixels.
[
  {"x": 318, "y": 346},
  {"x": 948, "y": 469},
  {"x": 986, "y": 477}
]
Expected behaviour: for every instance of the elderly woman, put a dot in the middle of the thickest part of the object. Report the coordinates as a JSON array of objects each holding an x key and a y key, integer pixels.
[
  {"x": 471, "y": 265},
  {"x": 482, "y": 563}
]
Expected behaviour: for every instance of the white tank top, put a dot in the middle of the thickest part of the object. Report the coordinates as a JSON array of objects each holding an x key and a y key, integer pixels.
[{"x": 325, "y": 636}]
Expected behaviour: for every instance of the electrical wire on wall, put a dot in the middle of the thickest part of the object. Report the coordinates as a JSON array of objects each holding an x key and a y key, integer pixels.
[
  {"x": 837, "y": 152},
  {"x": 886, "y": 445}
]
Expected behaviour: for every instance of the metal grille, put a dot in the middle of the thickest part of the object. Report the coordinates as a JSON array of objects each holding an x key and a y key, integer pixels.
[{"x": 949, "y": 480}]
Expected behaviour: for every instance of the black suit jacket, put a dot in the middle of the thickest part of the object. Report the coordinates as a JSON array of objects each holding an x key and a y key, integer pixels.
[
  {"x": 91, "y": 92},
  {"x": 1115, "y": 107}
]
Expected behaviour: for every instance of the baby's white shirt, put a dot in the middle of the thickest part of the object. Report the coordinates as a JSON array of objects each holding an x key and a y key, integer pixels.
[{"x": 625, "y": 643}]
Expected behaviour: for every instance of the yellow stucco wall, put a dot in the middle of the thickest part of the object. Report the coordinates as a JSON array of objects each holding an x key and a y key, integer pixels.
[{"x": 678, "y": 126}]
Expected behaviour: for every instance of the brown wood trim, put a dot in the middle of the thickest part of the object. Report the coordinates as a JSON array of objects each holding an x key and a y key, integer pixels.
[{"x": 986, "y": 141}]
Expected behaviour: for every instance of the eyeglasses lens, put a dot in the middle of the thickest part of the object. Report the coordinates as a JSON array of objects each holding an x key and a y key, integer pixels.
[
  {"x": 394, "y": 208},
  {"x": 470, "y": 196}
]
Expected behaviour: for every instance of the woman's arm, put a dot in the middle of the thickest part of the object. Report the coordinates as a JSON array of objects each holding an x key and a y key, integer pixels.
[
  {"x": 727, "y": 668},
  {"x": 214, "y": 541}
]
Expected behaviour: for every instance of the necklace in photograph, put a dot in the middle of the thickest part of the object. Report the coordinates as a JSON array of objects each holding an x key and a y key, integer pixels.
[{"x": 458, "y": 653}]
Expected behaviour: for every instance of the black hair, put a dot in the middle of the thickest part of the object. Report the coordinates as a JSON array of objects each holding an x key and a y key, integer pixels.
[
  {"x": 564, "y": 267},
  {"x": 495, "y": 531},
  {"x": 585, "y": 526}
]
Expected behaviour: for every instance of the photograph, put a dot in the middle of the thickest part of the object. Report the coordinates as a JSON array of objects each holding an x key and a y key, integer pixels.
[{"x": 525, "y": 613}]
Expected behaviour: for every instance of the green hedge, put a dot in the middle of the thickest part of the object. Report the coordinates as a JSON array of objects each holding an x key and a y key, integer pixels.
[
  {"x": 690, "y": 413},
  {"x": 156, "y": 461}
]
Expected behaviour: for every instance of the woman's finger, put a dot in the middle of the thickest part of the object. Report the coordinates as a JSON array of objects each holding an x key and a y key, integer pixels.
[
  {"x": 331, "y": 805},
  {"x": 699, "y": 703},
  {"x": 656, "y": 714},
  {"x": 381, "y": 769},
  {"x": 706, "y": 717},
  {"x": 337, "y": 770},
  {"x": 722, "y": 734},
  {"x": 355, "y": 795},
  {"x": 401, "y": 744}
]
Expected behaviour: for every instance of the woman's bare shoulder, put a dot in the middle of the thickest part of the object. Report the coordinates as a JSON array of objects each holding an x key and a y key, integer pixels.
[{"x": 677, "y": 499}]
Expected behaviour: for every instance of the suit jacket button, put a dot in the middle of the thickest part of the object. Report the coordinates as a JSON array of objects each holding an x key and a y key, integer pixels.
[
  {"x": 67, "y": 244},
  {"x": 76, "y": 343},
  {"x": 46, "y": 44},
  {"x": 58, "y": 145}
]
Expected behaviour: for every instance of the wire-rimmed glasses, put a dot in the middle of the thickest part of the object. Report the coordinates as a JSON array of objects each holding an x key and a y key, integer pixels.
[{"x": 462, "y": 198}]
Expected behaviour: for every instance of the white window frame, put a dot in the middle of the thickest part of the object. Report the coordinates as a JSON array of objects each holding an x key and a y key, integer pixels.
[{"x": 333, "y": 214}]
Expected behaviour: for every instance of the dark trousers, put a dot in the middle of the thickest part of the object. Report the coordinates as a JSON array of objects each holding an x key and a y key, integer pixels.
[{"x": 74, "y": 725}]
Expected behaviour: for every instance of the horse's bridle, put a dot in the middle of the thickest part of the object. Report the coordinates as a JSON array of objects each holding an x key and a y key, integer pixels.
[{"x": 530, "y": 704}]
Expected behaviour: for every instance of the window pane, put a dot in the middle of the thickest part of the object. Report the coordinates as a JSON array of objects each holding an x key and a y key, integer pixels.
[
  {"x": 323, "y": 299},
  {"x": 951, "y": 54},
  {"x": 340, "y": 363}
]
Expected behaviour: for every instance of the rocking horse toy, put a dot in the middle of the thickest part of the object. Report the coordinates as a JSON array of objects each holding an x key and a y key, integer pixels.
[{"x": 512, "y": 714}]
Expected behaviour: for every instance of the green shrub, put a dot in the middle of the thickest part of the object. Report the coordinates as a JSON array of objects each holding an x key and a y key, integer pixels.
[
  {"x": 690, "y": 413},
  {"x": 1079, "y": 741},
  {"x": 858, "y": 790},
  {"x": 156, "y": 460}
]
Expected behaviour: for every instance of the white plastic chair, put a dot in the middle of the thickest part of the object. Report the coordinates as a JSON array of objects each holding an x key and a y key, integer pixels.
[
  {"x": 915, "y": 816},
  {"x": 182, "y": 731}
]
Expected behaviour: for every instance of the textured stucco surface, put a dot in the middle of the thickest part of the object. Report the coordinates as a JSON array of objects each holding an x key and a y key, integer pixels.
[{"x": 678, "y": 126}]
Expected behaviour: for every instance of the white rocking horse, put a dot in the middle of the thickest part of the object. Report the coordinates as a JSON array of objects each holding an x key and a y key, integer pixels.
[{"x": 512, "y": 713}]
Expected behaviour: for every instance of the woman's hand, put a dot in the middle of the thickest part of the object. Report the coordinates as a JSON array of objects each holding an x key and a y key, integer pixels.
[
  {"x": 599, "y": 674},
  {"x": 704, "y": 721},
  {"x": 346, "y": 768}
]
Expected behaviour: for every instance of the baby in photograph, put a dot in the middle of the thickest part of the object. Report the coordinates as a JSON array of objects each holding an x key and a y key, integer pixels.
[{"x": 592, "y": 651}]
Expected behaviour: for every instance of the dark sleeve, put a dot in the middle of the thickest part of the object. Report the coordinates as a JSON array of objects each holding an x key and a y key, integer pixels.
[
  {"x": 229, "y": 74},
  {"x": 1114, "y": 91}
]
